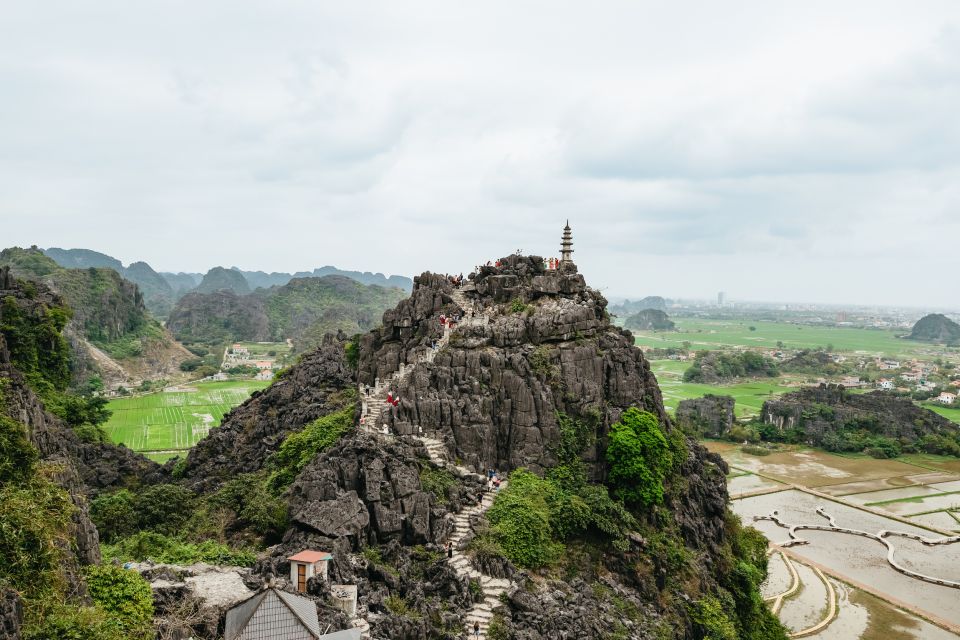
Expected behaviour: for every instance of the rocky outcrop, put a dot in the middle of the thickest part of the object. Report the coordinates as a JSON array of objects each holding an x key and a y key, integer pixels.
[
  {"x": 649, "y": 320},
  {"x": 369, "y": 491},
  {"x": 820, "y": 411},
  {"x": 11, "y": 614},
  {"x": 710, "y": 416},
  {"x": 936, "y": 327},
  {"x": 545, "y": 345},
  {"x": 252, "y": 431}
]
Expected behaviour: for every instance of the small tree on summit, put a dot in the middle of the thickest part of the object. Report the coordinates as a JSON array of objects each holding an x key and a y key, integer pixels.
[{"x": 639, "y": 457}]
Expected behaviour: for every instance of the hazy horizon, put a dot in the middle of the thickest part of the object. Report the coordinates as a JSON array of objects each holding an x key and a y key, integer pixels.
[{"x": 805, "y": 153}]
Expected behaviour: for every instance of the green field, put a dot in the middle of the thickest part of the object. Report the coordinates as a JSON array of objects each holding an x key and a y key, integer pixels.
[
  {"x": 717, "y": 334},
  {"x": 749, "y": 395},
  {"x": 951, "y": 412},
  {"x": 169, "y": 421}
]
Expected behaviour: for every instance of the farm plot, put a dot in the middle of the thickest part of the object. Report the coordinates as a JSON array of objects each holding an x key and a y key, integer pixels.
[{"x": 175, "y": 419}]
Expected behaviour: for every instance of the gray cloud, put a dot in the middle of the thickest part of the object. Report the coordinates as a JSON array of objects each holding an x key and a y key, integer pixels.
[{"x": 808, "y": 152}]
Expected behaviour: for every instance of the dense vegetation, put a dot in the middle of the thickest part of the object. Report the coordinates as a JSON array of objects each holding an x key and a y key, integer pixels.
[
  {"x": 106, "y": 309},
  {"x": 35, "y": 520},
  {"x": 715, "y": 366},
  {"x": 549, "y": 522}
]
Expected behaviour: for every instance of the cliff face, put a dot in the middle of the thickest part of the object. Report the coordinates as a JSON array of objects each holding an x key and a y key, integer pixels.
[
  {"x": 540, "y": 344},
  {"x": 710, "y": 416}
]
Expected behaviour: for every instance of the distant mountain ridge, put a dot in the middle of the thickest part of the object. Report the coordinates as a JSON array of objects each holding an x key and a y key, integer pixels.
[
  {"x": 111, "y": 332},
  {"x": 161, "y": 290},
  {"x": 303, "y": 309}
]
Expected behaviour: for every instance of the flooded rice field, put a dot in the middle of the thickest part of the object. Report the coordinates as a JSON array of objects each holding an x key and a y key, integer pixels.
[
  {"x": 812, "y": 468},
  {"x": 809, "y": 605},
  {"x": 918, "y": 495},
  {"x": 859, "y": 559},
  {"x": 866, "y": 617},
  {"x": 748, "y": 483}
]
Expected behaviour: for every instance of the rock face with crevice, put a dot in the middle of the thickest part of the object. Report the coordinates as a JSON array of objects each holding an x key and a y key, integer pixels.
[{"x": 710, "y": 416}]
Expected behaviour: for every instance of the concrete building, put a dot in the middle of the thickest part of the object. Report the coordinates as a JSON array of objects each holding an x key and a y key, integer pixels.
[{"x": 306, "y": 565}]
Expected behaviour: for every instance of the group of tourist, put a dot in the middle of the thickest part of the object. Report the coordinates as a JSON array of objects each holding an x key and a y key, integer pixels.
[
  {"x": 448, "y": 321},
  {"x": 392, "y": 399},
  {"x": 456, "y": 281},
  {"x": 551, "y": 264}
]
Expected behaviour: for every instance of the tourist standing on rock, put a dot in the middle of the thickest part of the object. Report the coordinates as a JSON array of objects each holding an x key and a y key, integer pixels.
[
  {"x": 476, "y": 629},
  {"x": 449, "y": 549}
]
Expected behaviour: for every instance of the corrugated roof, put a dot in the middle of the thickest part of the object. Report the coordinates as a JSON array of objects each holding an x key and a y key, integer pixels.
[
  {"x": 348, "y": 634},
  {"x": 304, "y": 608},
  {"x": 310, "y": 556},
  {"x": 273, "y": 615}
]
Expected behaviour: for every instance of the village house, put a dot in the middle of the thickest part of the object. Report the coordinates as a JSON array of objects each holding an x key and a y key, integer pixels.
[
  {"x": 263, "y": 364},
  {"x": 946, "y": 397},
  {"x": 273, "y": 614},
  {"x": 851, "y": 382},
  {"x": 911, "y": 376},
  {"x": 885, "y": 384},
  {"x": 889, "y": 365},
  {"x": 306, "y": 565}
]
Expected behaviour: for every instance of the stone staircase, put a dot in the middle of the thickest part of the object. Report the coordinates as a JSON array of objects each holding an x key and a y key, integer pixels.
[
  {"x": 482, "y": 611},
  {"x": 373, "y": 406}
]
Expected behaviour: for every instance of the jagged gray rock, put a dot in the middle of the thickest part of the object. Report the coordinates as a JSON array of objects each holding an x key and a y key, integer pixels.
[{"x": 710, "y": 416}]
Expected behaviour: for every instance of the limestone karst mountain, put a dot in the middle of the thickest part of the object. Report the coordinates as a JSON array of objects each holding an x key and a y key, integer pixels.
[
  {"x": 936, "y": 327},
  {"x": 532, "y": 375}
]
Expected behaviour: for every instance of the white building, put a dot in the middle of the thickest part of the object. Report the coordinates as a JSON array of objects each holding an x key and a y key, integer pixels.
[
  {"x": 946, "y": 397},
  {"x": 885, "y": 384}
]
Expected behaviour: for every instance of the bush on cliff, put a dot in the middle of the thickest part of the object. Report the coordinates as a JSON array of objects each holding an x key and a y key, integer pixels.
[
  {"x": 301, "y": 447},
  {"x": 125, "y": 596},
  {"x": 640, "y": 458}
]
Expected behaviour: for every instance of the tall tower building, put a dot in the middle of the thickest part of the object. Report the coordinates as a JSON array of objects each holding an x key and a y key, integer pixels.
[
  {"x": 721, "y": 298},
  {"x": 566, "y": 245}
]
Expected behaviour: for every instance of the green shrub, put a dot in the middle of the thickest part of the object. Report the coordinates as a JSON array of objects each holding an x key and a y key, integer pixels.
[
  {"x": 18, "y": 458},
  {"x": 301, "y": 447},
  {"x": 249, "y": 497},
  {"x": 437, "y": 482},
  {"x": 71, "y": 622},
  {"x": 147, "y": 545},
  {"x": 710, "y": 616},
  {"x": 114, "y": 514},
  {"x": 164, "y": 508},
  {"x": 125, "y": 596},
  {"x": 521, "y": 521},
  {"x": 639, "y": 457}
]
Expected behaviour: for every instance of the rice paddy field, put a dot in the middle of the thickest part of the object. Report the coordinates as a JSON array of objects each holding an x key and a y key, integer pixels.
[
  {"x": 750, "y": 395},
  {"x": 718, "y": 334},
  {"x": 168, "y": 422}
]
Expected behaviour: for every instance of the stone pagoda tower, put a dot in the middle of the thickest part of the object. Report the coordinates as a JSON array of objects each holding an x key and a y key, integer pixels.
[{"x": 566, "y": 245}]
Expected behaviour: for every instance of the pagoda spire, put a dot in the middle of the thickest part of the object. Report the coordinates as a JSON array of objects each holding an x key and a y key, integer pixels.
[{"x": 566, "y": 245}]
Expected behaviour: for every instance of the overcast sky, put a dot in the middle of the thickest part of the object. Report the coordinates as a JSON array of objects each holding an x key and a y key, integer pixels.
[{"x": 805, "y": 151}]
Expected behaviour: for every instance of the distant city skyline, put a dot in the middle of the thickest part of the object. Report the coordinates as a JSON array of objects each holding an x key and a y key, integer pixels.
[{"x": 759, "y": 149}]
